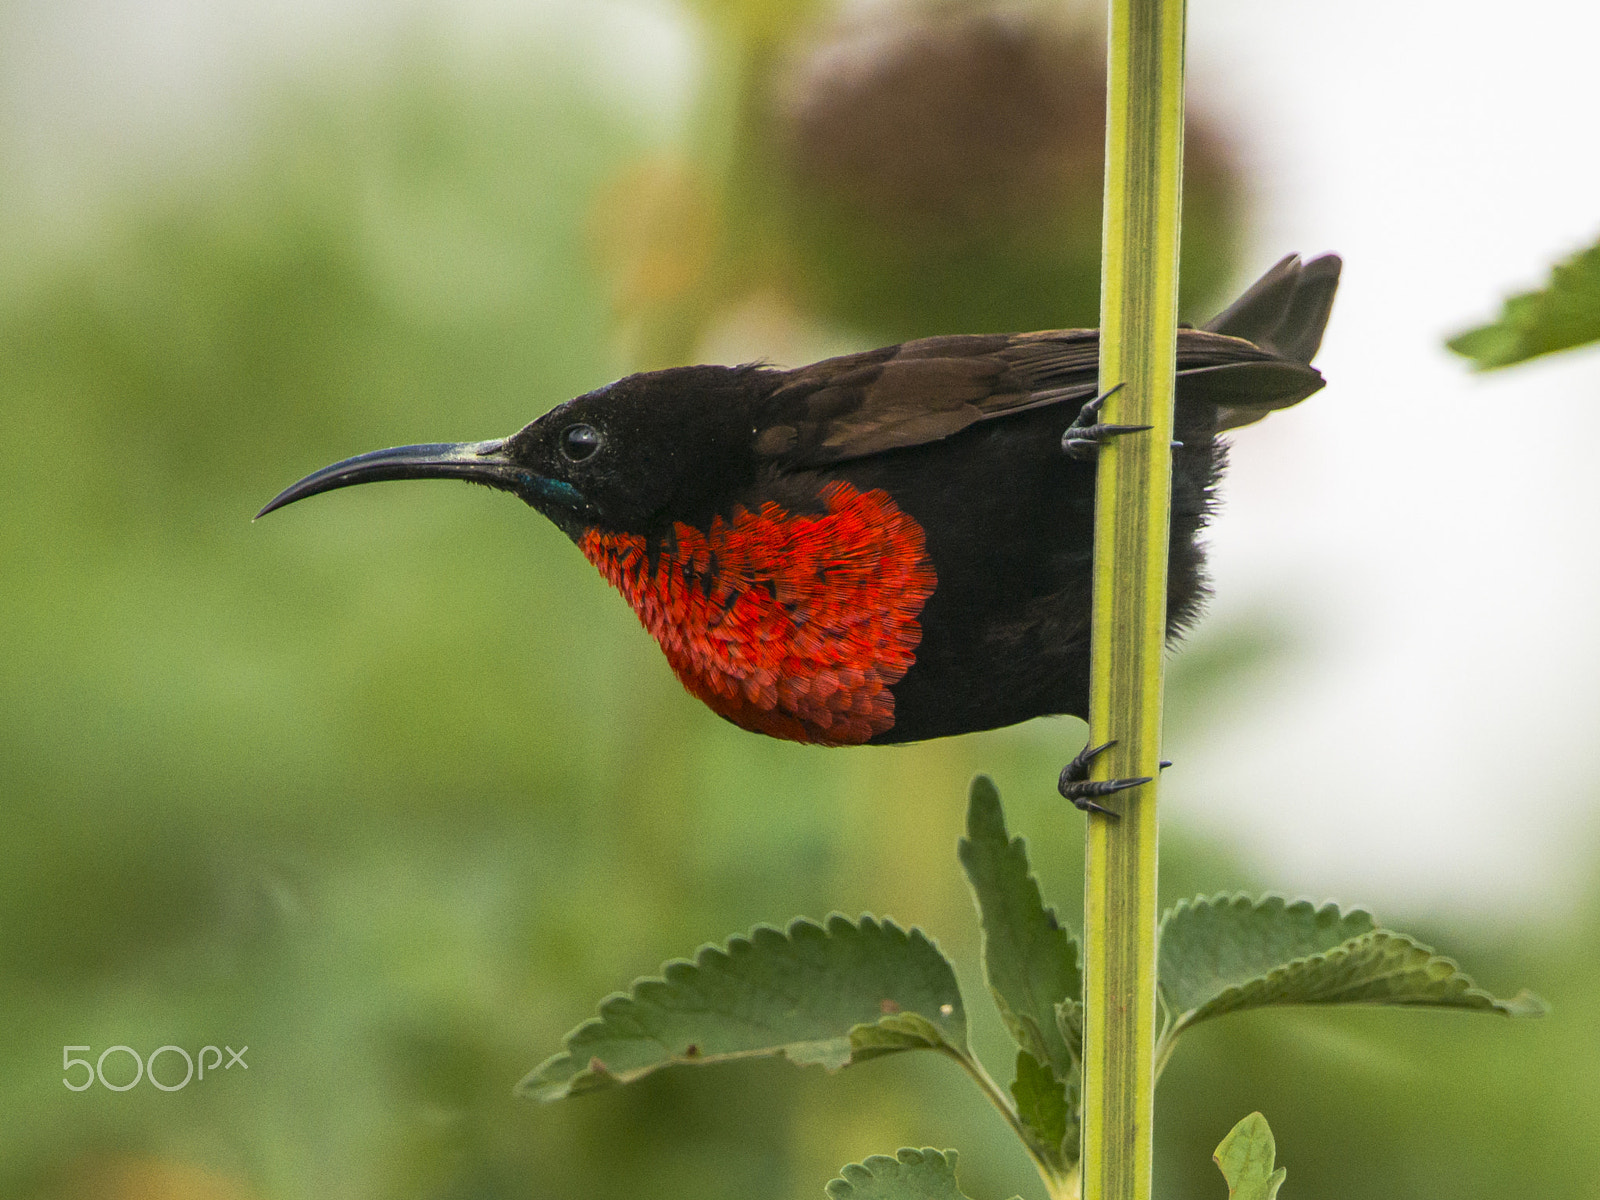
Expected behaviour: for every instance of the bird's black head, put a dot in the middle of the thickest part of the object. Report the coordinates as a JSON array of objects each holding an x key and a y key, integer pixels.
[{"x": 625, "y": 456}]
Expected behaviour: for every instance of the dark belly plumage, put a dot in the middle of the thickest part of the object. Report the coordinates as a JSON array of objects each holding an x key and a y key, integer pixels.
[{"x": 1009, "y": 521}]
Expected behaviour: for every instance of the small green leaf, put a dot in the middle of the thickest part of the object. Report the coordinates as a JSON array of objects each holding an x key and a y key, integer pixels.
[
  {"x": 1224, "y": 954},
  {"x": 894, "y": 1032},
  {"x": 1031, "y": 963},
  {"x": 1069, "y": 1021},
  {"x": 909, "y": 1175},
  {"x": 1246, "y": 1157},
  {"x": 1565, "y": 314},
  {"x": 812, "y": 994},
  {"x": 1046, "y": 1106}
]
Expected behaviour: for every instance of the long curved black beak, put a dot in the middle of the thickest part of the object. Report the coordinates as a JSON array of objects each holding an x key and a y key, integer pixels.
[{"x": 477, "y": 462}]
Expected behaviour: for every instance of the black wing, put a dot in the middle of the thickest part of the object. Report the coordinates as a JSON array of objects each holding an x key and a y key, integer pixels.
[{"x": 930, "y": 389}]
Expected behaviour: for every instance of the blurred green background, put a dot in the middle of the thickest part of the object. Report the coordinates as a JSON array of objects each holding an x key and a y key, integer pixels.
[{"x": 391, "y": 789}]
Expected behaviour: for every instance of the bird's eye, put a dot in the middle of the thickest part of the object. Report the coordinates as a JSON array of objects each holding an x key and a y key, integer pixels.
[{"x": 579, "y": 442}]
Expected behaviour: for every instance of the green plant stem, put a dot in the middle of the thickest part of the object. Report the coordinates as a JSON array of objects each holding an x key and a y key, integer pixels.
[
  {"x": 1059, "y": 1186},
  {"x": 1138, "y": 319},
  {"x": 1165, "y": 1045}
]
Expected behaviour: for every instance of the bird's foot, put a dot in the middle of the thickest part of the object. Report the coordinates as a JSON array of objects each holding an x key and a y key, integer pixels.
[
  {"x": 1084, "y": 437},
  {"x": 1076, "y": 785}
]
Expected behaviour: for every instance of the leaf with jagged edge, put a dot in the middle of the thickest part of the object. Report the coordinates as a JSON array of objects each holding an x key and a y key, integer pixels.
[
  {"x": 1247, "y": 1158},
  {"x": 1211, "y": 943},
  {"x": 1566, "y": 313},
  {"x": 1030, "y": 962},
  {"x": 1226, "y": 953},
  {"x": 925, "y": 1174},
  {"x": 1048, "y": 1107},
  {"x": 827, "y": 995}
]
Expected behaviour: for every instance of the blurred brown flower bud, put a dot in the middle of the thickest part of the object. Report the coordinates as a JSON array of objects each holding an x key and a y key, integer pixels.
[
  {"x": 948, "y": 118},
  {"x": 944, "y": 170}
]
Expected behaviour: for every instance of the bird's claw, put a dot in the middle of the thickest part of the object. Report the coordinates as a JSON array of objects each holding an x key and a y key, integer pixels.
[
  {"x": 1084, "y": 437},
  {"x": 1075, "y": 784}
]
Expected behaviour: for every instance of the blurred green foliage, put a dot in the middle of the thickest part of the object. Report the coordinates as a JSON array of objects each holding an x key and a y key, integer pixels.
[
  {"x": 1563, "y": 314},
  {"x": 925, "y": 170},
  {"x": 391, "y": 789}
]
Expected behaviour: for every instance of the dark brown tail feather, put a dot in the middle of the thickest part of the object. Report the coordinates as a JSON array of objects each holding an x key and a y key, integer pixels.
[{"x": 1284, "y": 312}]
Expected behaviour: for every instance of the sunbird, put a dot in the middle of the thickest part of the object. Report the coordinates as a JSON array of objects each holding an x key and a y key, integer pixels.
[{"x": 885, "y": 546}]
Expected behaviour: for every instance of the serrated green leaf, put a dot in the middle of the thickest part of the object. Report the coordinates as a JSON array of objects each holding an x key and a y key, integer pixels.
[
  {"x": 1566, "y": 313},
  {"x": 1211, "y": 943},
  {"x": 1381, "y": 967},
  {"x": 1224, "y": 954},
  {"x": 804, "y": 993},
  {"x": 1246, "y": 1158},
  {"x": 910, "y": 1175},
  {"x": 1030, "y": 962},
  {"x": 1046, "y": 1106}
]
